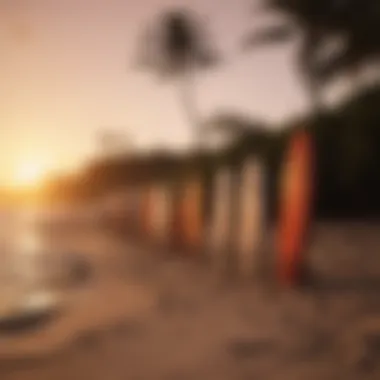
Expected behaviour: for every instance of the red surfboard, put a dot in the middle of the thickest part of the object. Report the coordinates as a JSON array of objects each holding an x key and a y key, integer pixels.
[{"x": 296, "y": 188}]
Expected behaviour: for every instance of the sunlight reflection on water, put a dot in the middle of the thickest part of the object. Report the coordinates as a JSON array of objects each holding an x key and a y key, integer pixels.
[
  {"x": 22, "y": 247},
  {"x": 32, "y": 267}
]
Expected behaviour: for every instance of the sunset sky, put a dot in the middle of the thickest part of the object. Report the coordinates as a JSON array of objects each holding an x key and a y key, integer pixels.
[{"x": 67, "y": 71}]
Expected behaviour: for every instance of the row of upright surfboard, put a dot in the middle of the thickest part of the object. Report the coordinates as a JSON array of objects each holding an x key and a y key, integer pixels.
[{"x": 231, "y": 222}]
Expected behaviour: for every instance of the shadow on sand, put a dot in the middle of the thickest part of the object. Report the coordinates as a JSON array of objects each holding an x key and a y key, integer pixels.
[
  {"x": 360, "y": 285},
  {"x": 23, "y": 322}
]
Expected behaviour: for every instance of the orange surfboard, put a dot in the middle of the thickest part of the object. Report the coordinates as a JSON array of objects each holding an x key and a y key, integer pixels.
[
  {"x": 146, "y": 211},
  {"x": 193, "y": 214},
  {"x": 176, "y": 217},
  {"x": 296, "y": 188},
  {"x": 187, "y": 227}
]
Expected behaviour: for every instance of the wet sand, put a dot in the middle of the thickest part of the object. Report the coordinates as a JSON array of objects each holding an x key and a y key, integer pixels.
[{"x": 146, "y": 317}]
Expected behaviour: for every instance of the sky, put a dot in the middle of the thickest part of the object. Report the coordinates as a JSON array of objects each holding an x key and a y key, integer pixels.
[{"x": 68, "y": 71}]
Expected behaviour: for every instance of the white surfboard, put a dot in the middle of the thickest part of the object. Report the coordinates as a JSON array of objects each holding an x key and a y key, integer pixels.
[
  {"x": 161, "y": 221},
  {"x": 251, "y": 218},
  {"x": 219, "y": 228}
]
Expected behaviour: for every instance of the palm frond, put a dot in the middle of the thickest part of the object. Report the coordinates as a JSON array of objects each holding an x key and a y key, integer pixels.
[
  {"x": 176, "y": 42},
  {"x": 337, "y": 65},
  {"x": 278, "y": 34}
]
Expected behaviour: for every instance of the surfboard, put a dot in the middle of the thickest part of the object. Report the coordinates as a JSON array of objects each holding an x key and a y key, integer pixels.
[
  {"x": 176, "y": 216},
  {"x": 192, "y": 212},
  {"x": 220, "y": 220},
  {"x": 295, "y": 199},
  {"x": 146, "y": 212},
  {"x": 251, "y": 218},
  {"x": 161, "y": 211}
]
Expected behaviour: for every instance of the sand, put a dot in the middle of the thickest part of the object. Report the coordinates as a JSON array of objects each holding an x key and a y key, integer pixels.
[{"x": 144, "y": 315}]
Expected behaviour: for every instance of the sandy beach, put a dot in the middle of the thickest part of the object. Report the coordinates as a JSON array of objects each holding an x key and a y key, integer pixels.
[{"x": 144, "y": 316}]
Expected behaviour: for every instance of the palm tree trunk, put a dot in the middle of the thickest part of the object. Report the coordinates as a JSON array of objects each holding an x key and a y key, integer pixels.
[
  {"x": 188, "y": 104},
  {"x": 315, "y": 94},
  {"x": 306, "y": 61},
  {"x": 357, "y": 78}
]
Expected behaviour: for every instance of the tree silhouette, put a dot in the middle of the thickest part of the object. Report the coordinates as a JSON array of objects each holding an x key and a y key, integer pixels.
[
  {"x": 358, "y": 24},
  {"x": 299, "y": 24},
  {"x": 176, "y": 47},
  {"x": 337, "y": 37}
]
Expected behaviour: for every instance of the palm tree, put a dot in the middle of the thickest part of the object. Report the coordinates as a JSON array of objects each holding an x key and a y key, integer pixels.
[
  {"x": 359, "y": 24},
  {"x": 337, "y": 37},
  {"x": 303, "y": 22},
  {"x": 176, "y": 46}
]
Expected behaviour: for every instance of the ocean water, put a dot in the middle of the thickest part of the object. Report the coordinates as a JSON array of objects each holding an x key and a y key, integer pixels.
[{"x": 21, "y": 254}]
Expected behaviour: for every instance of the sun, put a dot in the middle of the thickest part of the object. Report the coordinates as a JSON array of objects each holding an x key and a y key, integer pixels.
[{"x": 29, "y": 174}]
